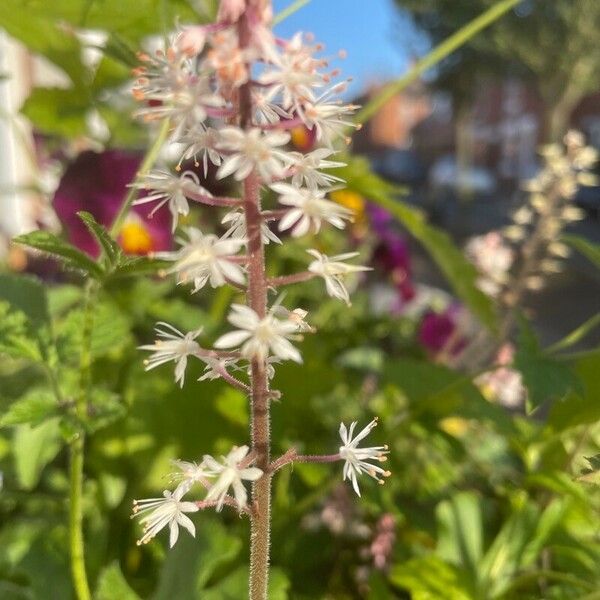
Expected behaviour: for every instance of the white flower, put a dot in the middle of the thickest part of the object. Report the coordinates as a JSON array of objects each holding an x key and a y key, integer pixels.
[
  {"x": 201, "y": 140},
  {"x": 310, "y": 209},
  {"x": 189, "y": 473},
  {"x": 294, "y": 74},
  {"x": 173, "y": 345},
  {"x": 166, "y": 188},
  {"x": 331, "y": 269},
  {"x": 253, "y": 149},
  {"x": 170, "y": 88},
  {"x": 258, "y": 337},
  {"x": 356, "y": 459},
  {"x": 493, "y": 258},
  {"x": 214, "y": 367},
  {"x": 237, "y": 227},
  {"x": 206, "y": 258},
  {"x": 157, "y": 513},
  {"x": 328, "y": 117},
  {"x": 267, "y": 112},
  {"x": 231, "y": 474},
  {"x": 306, "y": 168}
]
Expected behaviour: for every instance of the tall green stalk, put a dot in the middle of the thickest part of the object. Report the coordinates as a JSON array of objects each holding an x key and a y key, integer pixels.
[
  {"x": 441, "y": 51},
  {"x": 77, "y": 448}
]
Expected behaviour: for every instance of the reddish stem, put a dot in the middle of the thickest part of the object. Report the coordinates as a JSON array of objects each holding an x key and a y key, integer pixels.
[{"x": 289, "y": 279}]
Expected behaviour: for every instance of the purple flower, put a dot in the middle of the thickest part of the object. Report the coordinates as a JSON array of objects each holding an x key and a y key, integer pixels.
[
  {"x": 97, "y": 183},
  {"x": 436, "y": 330}
]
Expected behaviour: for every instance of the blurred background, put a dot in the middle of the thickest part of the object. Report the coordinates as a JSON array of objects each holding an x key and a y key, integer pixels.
[{"x": 485, "y": 500}]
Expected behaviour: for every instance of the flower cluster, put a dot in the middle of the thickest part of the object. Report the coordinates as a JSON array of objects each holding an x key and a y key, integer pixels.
[{"x": 232, "y": 93}]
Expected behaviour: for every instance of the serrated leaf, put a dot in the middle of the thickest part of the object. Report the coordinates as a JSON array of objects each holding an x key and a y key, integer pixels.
[
  {"x": 138, "y": 265},
  {"x": 461, "y": 274},
  {"x": 544, "y": 377},
  {"x": 51, "y": 244},
  {"x": 112, "y": 585},
  {"x": 104, "y": 408},
  {"x": 110, "y": 332},
  {"x": 16, "y": 339},
  {"x": 111, "y": 249},
  {"x": 33, "y": 408}
]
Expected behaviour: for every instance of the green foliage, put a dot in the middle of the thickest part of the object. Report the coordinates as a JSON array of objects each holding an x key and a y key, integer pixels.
[
  {"x": 587, "y": 248},
  {"x": 461, "y": 274}
]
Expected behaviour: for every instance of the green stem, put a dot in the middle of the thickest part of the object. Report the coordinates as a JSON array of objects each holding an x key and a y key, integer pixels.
[
  {"x": 441, "y": 51},
  {"x": 76, "y": 543},
  {"x": 148, "y": 162},
  {"x": 288, "y": 11}
]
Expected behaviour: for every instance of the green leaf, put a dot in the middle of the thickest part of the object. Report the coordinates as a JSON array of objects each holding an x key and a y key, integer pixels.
[
  {"x": 545, "y": 378},
  {"x": 28, "y": 23},
  {"x": 51, "y": 244},
  {"x": 504, "y": 556},
  {"x": 137, "y": 265},
  {"x": 233, "y": 405},
  {"x": 592, "y": 473},
  {"x": 34, "y": 407},
  {"x": 429, "y": 578},
  {"x": 193, "y": 562},
  {"x": 460, "y": 531},
  {"x": 461, "y": 274},
  {"x": 26, "y": 294},
  {"x": 33, "y": 449},
  {"x": 440, "y": 391},
  {"x": 576, "y": 336},
  {"x": 58, "y": 111},
  {"x": 581, "y": 405},
  {"x": 16, "y": 339},
  {"x": 111, "y": 249},
  {"x": 110, "y": 332},
  {"x": 365, "y": 358},
  {"x": 104, "y": 409},
  {"x": 236, "y": 586},
  {"x": 112, "y": 585},
  {"x": 589, "y": 249}
]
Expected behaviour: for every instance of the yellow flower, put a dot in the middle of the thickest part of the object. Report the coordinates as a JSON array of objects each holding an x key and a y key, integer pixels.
[{"x": 135, "y": 238}]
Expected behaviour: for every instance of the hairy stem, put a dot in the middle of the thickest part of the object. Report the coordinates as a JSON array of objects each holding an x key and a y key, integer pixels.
[
  {"x": 260, "y": 519},
  {"x": 76, "y": 456}
]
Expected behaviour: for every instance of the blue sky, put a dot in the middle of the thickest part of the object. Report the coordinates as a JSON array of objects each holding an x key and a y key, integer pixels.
[{"x": 378, "y": 38}]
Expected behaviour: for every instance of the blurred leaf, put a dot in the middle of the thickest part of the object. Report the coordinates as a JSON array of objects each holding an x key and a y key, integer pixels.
[
  {"x": 27, "y": 294},
  {"x": 235, "y": 586},
  {"x": 12, "y": 591},
  {"x": 34, "y": 407},
  {"x": 113, "y": 488},
  {"x": 51, "y": 244},
  {"x": 503, "y": 558},
  {"x": 545, "y": 378},
  {"x": 591, "y": 474},
  {"x": 429, "y": 578},
  {"x": 461, "y": 274},
  {"x": 110, "y": 331},
  {"x": 589, "y": 249},
  {"x": 58, "y": 111},
  {"x": 191, "y": 563},
  {"x": 27, "y": 23},
  {"x": 16, "y": 339},
  {"x": 440, "y": 391},
  {"x": 112, "y": 585},
  {"x": 581, "y": 406},
  {"x": 138, "y": 265},
  {"x": 33, "y": 449},
  {"x": 576, "y": 336},
  {"x": 364, "y": 359},
  {"x": 233, "y": 405},
  {"x": 112, "y": 251},
  {"x": 104, "y": 409},
  {"x": 460, "y": 533}
]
